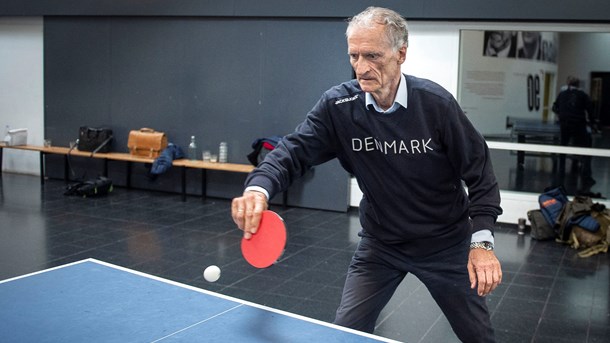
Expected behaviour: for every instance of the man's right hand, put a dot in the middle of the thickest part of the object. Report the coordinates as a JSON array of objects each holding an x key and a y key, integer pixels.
[{"x": 247, "y": 211}]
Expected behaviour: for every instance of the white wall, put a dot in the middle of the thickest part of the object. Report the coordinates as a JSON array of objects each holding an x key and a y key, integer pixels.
[
  {"x": 583, "y": 54},
  {"x": 433, "y": 53},
  {"x": 21, "y": 88}
]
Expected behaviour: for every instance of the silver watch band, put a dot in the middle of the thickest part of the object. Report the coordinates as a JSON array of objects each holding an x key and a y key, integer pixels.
[{"x": 482, "y": 245}]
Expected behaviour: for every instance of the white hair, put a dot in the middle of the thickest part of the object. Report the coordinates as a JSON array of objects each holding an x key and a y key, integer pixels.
[{"x": 396, "y": 28}]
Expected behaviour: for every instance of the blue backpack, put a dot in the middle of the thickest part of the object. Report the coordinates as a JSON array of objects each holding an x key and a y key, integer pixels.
[{"x": 552, "y": 202}]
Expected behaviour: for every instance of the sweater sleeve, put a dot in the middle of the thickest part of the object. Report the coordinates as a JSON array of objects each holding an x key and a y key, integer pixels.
[
  {"x": 311, "y": 143},
  {"x": 470, "y": 156}
]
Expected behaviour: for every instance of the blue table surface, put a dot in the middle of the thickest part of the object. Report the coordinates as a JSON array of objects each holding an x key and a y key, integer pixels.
[{"x": 92, "y": 301}]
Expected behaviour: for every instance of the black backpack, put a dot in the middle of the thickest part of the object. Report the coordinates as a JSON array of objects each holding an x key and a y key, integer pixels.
[{"x": 92, "y": 188}]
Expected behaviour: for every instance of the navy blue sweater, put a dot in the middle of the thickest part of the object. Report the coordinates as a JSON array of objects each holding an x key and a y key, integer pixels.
[{"x": 409, "y": 164}]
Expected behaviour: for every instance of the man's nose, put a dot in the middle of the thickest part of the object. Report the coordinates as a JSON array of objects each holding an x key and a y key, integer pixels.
[{"x": 361, "y": 67}]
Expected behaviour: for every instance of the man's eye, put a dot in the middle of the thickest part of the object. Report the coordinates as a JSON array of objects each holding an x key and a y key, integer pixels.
[{"x": 372, "y": 56}]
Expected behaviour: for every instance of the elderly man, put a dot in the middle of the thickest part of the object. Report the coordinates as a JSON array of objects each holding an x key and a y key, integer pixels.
[{"x": 411, "y": 148}]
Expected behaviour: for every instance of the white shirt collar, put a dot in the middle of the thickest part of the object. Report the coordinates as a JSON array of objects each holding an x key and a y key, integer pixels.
[{"x": 400, "y": 100}]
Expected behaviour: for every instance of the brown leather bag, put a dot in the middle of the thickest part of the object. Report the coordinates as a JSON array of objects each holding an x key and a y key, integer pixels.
[{"x": 146, "y": 142}]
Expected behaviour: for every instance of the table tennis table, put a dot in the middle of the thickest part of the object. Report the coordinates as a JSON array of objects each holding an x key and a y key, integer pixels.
[
  {"x": 93, "y": 301},
  {"x": 532, "y": 130}
]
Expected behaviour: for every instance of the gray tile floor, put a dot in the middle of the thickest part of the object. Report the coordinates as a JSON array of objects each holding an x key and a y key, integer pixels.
[{"x": 548, "y": 293}]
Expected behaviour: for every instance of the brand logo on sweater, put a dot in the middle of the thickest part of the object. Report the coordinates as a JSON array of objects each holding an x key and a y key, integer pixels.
[
  {"x": 413, "y": 146},
  {"x": 340, "y": 101}
]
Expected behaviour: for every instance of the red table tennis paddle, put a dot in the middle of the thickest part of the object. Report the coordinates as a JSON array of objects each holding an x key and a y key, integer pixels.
[{"x": 266, "y": 246}]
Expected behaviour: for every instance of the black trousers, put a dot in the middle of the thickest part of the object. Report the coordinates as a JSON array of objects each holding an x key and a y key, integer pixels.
[
  {"x": 576, "y": 133},
  {"x": 377, "y": 269}
]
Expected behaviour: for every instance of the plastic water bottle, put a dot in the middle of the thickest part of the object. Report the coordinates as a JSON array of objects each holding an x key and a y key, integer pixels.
[
  {"x": 223, "y": 152},
  {"x": 193, "y": 149}
]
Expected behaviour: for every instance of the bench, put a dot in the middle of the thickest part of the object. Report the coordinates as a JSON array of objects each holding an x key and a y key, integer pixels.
[{"x": 184, "y": 164}]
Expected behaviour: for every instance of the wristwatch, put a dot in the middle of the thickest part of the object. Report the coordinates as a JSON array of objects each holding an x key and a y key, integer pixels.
[{"x": 482, "y": 245}]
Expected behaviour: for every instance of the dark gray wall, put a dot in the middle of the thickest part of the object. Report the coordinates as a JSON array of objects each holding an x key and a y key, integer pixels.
[
  {"x": 547, "y": 10},
  {"x": 220, "y": 79}
]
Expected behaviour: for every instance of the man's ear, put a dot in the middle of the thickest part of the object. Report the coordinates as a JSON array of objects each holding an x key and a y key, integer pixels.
[{"x": 402, "y": 55}]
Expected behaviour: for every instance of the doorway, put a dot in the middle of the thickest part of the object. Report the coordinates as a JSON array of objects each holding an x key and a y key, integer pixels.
[
  {"x": 549, "y": 80},
  {"x": 600, "y": 95}
]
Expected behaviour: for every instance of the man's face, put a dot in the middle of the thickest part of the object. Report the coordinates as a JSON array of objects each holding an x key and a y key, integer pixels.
[
  {"x": 500, "y": 39},
  {"x": 530, "y": 37},
  {"x": 376, "y": 65}
]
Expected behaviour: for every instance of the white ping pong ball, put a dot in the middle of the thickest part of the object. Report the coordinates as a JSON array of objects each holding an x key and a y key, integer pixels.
[{"x": 211, "y": 274}]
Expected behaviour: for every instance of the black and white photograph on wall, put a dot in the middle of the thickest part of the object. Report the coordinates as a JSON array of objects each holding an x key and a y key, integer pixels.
[
  {"x": 500, "y": 44},
  {"x": 528, "y": 45}
]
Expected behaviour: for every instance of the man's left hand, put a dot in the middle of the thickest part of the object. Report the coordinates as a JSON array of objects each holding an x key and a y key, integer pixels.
[{"x": 484, "y": 269}]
